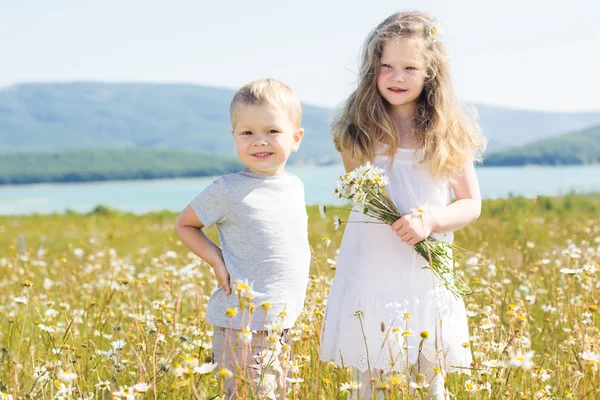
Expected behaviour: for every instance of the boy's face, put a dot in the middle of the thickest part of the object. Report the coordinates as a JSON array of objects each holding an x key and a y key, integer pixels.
[{"x": 264, "y": 137}]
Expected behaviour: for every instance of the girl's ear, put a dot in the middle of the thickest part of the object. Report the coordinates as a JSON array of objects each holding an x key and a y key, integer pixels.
[{"x": 298, "y": 135}]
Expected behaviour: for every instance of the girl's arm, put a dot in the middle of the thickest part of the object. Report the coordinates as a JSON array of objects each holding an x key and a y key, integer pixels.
[
  {"x": 466, "y": 209},
  {"x": 189, "y": 230}
]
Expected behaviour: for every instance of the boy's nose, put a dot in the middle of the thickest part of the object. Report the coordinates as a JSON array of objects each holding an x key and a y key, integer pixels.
[{"x": 260, "y": 142}]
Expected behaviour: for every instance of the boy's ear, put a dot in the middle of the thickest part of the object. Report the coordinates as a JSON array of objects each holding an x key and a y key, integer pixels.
[
  {"x": 234, "y": 152},
  {"x": 298, "y": 135}
]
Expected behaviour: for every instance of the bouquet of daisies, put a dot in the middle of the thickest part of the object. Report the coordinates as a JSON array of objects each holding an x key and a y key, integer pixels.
[{"x": 365, "y": 188}]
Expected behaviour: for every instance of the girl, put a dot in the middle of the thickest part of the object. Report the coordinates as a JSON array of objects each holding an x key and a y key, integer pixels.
[{"x": 385, "y": 312}]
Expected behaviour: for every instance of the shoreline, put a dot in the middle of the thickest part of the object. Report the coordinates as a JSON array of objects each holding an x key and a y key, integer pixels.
[{"x": 293, "y": 167}]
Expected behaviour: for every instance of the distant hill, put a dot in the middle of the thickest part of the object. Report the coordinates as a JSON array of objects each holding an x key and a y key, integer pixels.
[
  {"x": 60, "y": 116},
  {"x": 110, "y": 164},
  {"x": 581, "y": 147},
  {"x": 506, "y": 127}
]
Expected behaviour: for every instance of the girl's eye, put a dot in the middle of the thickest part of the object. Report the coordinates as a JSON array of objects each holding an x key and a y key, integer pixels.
[
  {"x": 411, "y": 68},
  {"x": 386, "y": 65},
  {"x": 273, "y": 131}
]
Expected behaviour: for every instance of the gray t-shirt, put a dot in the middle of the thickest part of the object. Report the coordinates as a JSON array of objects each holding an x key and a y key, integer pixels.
[{"x": 263, "y": 231}]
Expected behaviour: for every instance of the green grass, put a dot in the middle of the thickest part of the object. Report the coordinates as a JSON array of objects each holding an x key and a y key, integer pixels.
[{"x": 75, "y": 306}]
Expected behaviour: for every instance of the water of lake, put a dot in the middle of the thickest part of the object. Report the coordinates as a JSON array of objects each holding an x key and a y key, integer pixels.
[{"x": 174, "y": 194}]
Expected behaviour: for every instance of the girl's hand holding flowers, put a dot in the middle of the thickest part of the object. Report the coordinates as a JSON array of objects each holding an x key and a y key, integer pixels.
[
  {"x": 413, "y": 228},
  {"x": 365, "y": 188}
]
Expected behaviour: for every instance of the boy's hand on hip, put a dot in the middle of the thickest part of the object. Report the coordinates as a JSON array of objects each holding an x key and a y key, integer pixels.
[
  {"x": 222, "y": 277},
  {"x": 412, "y": 228}
]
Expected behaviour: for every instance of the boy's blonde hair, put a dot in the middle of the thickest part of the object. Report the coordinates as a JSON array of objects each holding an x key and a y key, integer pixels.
[
  {"x": 267, "y": 92},
  {"x": 448, "y": 135}
]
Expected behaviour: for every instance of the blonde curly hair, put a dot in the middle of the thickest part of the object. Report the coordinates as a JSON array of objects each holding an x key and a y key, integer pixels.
[{"x": 448, "y": 135}]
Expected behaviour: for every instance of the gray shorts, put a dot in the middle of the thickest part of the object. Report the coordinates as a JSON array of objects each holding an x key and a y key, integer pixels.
[{"x": 256, "y": 367}]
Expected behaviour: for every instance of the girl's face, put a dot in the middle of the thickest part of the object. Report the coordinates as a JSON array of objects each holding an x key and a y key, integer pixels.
[{"x": 402, "y": 73}]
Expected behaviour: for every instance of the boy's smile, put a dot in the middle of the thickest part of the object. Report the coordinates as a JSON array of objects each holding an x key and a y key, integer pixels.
[
  {"x": 261, "y": 155},
  {"x": 264, "y": 137}
]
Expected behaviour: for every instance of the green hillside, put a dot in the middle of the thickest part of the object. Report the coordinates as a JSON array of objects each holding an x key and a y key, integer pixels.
[
  {"x": 66, "y": 116},
  {"x": 60, "y": 116},
  {"x": 582, "y": 147},
  {"x": 110, "y": 164}
]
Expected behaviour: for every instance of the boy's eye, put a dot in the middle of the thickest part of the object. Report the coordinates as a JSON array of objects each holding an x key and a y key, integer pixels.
[
  {"x": 273, "y": 131},
  {"x": 246, "y": 133}
]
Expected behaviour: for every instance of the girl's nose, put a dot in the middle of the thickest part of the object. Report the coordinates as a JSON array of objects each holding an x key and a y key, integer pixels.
[{"x": 399, "y": 76}]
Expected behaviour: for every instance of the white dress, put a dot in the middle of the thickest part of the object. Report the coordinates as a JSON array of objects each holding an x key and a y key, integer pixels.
[{"x": 380, "y": 278}]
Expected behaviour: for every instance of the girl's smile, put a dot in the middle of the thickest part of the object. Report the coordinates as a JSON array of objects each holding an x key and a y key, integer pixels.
[{"x": 401, "y": 72}]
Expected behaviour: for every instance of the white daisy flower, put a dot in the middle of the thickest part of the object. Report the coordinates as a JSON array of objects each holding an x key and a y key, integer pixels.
[
  {"x": 118, "y": 344},
  {"x": 246, "y": 336},
  {"x": 205, "y": 368},
  {"x": 520, "y": 360},
  {"x": 337, "y": 221},
  {"x": 322, "y": 211},
  {"x": 350, "y": 386}
]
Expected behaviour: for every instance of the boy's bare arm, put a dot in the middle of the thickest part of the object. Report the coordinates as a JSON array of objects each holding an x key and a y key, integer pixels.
[{"x": 189, "y": 230}]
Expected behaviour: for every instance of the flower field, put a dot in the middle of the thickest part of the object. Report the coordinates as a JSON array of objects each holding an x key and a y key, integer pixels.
[{"x": 111, "y": 305}]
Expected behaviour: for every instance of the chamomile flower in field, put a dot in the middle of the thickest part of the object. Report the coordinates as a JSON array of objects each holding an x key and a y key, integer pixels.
[
  {"x": 66, "y": 376},
  {"x": 571, "y": 271},
  {"x": 323, "y": 211},
  {"x": 206, "y": 368},
  {"x": 118, "y": 345},
  {"x": 350, "y": 386},
  {"x": 190, "y": 362},
  {"x": 590, "y": 357},
  {"x": 141, "y": 387},
  {"x": 246, "y": 336},
  {"x": 231, "y": 312},
  {"x": 125, "y": 393},
  {"x": 242, "y": 288},
  {"x": 522, "y": 360},
  {"x": 493, "y": 363},
  {"x": 78, "y": 252},
  {"x": 337, "y": 222},
  {"x": 103, "y": 385},
  {"x": 224, "y": 373},
  {"x": 156, "y": 327}
]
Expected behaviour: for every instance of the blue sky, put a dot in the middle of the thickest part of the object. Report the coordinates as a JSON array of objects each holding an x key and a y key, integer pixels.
[{"x": 524, "y": 54}]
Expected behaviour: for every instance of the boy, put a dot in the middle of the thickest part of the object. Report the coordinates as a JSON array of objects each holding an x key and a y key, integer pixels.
[{"x": 262, "y": 227}]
